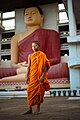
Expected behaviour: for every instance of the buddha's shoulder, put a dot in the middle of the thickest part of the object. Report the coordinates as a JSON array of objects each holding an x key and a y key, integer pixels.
[
  {"x": 47, "y": 30},
  {"x": 19, "y": 36}
]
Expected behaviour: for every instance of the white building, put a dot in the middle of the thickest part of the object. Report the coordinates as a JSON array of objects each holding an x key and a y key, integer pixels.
[{"x": 69, "y": 33}]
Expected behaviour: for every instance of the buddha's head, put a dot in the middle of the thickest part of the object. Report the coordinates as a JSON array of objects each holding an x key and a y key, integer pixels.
[{"x": 33, "y": 16}]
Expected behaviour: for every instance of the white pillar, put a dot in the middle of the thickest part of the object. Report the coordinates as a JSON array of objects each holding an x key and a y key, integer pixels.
[
  {"x": 72, "y": 22},
  {"x": 74, "y": 49}
]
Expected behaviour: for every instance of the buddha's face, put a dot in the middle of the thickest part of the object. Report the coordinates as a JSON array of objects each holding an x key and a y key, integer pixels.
[{"x": 33, "y": 17}]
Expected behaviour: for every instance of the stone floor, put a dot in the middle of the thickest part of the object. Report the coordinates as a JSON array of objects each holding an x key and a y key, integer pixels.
[{"x": 53, "y": 108}]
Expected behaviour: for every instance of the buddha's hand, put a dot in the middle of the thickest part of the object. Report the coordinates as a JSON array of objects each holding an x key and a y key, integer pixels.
[{"x": 23, "y": 64}]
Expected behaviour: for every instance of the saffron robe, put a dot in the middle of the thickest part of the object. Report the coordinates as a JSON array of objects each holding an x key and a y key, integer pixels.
[
  {"x": 49, "y": 39},
  {"x": 36, "y": 88}
]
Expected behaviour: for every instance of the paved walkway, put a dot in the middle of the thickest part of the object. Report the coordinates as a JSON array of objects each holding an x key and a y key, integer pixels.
[{"x": 53, "y": 108}]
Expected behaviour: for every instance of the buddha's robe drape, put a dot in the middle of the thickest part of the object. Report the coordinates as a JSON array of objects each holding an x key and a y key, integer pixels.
[
  {"x": 5, "y": 72},
  {"x": 49, "y": 39},
  {"x": 36, "y": 88}
]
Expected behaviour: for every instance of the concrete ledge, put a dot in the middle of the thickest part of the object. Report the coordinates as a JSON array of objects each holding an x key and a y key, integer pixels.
[
  {"x": 52, "y": 92},
  {"x": 74, "y": 98},
  {"x": 73, "y": 39},
  {"x": 74, "y": 62}
]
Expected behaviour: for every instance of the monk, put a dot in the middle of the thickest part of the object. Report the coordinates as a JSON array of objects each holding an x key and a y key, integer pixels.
[
  {"x": 38, "y": 66},
  {"x": 21, "y": 45}
]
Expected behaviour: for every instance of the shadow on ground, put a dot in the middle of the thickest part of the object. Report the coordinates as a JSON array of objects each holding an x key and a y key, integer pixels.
[{"x": 53, "y": 108}]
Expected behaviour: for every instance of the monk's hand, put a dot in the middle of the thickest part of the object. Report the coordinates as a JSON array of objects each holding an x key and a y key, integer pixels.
[
  {"x": 41, "y": 79},
  {"x": 27, "y": 79}
]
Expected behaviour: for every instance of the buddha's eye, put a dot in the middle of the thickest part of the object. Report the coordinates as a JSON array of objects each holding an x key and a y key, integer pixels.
[
  {"x": 26, "y": 14},
  {"x": 33, "y": 13}
]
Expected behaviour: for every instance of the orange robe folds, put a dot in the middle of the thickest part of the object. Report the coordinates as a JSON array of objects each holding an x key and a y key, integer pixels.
[{"x": 35, "y": 88}]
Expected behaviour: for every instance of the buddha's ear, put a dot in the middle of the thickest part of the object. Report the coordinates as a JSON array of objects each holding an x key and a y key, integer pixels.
[{"x": 42, "y": 20}]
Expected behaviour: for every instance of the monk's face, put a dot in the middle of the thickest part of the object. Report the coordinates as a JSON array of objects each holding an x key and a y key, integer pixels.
[
  {"x": 33, "y": 17},
  {"x": 35, "y": 47}
]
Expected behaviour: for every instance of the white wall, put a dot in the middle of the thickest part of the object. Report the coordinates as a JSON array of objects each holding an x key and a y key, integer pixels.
[
  {"x": 20, "y": 26},
  {"x": 50, "y": 12}
]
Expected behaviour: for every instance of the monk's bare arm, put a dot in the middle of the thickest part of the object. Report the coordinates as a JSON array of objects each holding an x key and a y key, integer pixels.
[
  {"x": 28, "y": 69},
  {"x": 43, "y": 74},
  {"x": 46, "y": 68}
]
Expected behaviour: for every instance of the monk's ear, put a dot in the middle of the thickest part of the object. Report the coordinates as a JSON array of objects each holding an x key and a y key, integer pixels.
[{"x": 42, "y": 20}]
